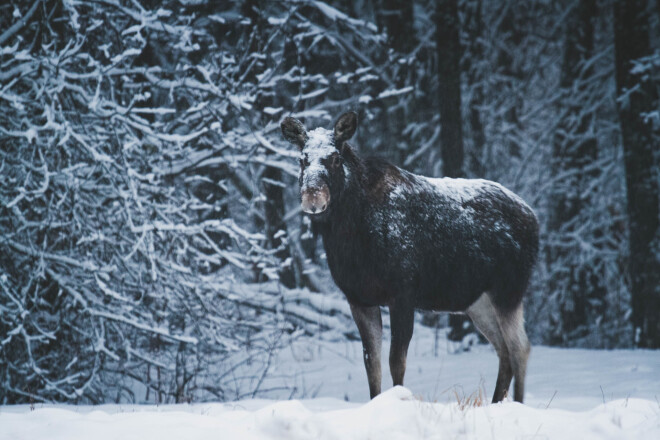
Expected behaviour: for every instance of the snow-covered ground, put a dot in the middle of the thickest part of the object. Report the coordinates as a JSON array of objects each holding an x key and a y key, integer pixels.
[
  {"x": 572, "y": 379},
  {"x": 395, "y": 414},
  {"x": 580, "y": 394}
]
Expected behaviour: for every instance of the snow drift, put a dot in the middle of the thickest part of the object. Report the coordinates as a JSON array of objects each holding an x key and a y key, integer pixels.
[{"x": 395, "y": 414}]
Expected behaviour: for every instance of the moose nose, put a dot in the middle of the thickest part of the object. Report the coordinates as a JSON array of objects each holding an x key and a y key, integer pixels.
[{"x": 315, "y": 200}]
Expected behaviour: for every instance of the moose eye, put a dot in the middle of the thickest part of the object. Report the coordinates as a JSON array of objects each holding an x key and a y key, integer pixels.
[{"x": 335, "y": 161}]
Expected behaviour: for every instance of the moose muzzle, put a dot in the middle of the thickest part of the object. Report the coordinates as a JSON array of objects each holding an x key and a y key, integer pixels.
[{"x": 315, "y": 200}]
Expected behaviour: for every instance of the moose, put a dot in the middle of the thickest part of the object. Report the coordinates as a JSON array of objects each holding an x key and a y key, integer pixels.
[{"x": 393, "y": 238}]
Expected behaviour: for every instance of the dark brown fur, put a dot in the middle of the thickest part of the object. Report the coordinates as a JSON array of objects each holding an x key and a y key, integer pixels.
[{"x": 395, "y": 239}]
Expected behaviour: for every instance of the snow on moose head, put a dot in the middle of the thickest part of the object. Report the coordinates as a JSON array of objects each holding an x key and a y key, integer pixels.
[{"x": 322, "y": 170}]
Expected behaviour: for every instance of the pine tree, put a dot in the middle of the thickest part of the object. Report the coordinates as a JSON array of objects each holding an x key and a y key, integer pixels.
[
  {"x": 574, "y": 279},
  {"x": 637, "y": 96}
]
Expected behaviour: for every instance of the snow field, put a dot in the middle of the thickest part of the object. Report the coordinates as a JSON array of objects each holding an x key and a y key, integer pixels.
[
  {"x": 395, "y": 414},
  {"x": 571, "y": 394},
  {"x": 557, "y": 378}
]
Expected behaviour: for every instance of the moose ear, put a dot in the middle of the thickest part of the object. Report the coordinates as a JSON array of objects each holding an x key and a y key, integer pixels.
[
  {"x": 345, "y": 127},
  {"x": 294, "y": 131}
]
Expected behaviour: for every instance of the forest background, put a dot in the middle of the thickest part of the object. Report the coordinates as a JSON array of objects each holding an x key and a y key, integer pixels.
[{"x": 152, "y": 244}]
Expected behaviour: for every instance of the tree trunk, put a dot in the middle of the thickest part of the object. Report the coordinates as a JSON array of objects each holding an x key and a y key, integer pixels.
[
  {"x": 271, "y": 178},
  {"x": 637, "y": 96},
  {"x": 449, "y": 97},
  {"x": 475, "y": 79},
  {"x": 574, "y": 151},
  {"x": 510, "y": 32},
  {"x": 275, "y": 227},
  {"x": 449, "y": 88},
  {"x": 398, "y": 20}
]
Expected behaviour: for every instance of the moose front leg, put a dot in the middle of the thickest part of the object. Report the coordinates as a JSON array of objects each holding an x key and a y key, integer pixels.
[
  {"x": 402, "y": 318},
  {"x": 370, "y": 326}
]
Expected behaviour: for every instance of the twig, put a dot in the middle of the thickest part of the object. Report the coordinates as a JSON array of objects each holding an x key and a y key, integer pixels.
[{"x": 19, "y": 24}]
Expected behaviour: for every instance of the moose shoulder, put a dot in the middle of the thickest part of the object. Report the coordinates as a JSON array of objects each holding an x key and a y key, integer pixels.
[{"x": 405, "y": 241}]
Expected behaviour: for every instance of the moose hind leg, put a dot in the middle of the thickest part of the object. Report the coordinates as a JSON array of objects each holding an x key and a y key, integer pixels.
[
  {"x": 515, "y": 338},
  {"x": 484, "y": 317},
  {"x": 370, "y": 326},
  {"x": 402, "y": 319}
]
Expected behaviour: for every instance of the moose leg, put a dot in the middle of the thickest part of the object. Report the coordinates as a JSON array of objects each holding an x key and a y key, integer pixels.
[
  {"x": 402, "y": 319},
  {"x": 484, "y": 317},
  {"x": 370, "y": 326},
  {"x": 515, "y": 338}
]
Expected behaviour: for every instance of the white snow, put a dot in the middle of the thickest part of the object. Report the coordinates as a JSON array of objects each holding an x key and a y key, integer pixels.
[
  {"x": 275, "y": 21},
  {"x": 369, "y": 77},
  {"x": 571, "y": 394},
  {"x": 463, "y": 190},
  {"x": 272, "y": 111},
  {"x": 394, "y": 92},
  {"x": 343, "y": 79},
  {"x": 319, "y": 146},
  {"x": 314, "y": 93},
  {"x": 460, "y": 190},
  {"x": 395, "y": 414}
]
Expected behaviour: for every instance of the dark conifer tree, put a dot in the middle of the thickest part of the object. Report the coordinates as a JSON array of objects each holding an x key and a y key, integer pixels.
[
  {"x": 449, "y": 103},
  {"x": 637, "y": 95},
  {"x": 474, "y": 27},
  {"x": 449, "y": 87},
  {"x": 574, "y": 280}
]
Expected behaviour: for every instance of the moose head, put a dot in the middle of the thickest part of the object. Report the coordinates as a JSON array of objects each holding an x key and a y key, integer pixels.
[{"x": 322, "y": 170}]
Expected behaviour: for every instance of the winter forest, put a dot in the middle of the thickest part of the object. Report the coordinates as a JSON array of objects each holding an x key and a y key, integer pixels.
[{"x": 152, "y": 244}]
